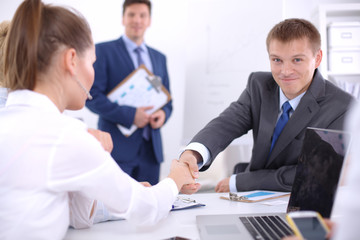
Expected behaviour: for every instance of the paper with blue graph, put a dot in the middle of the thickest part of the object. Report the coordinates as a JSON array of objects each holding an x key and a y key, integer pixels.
[
  {"x": 255, "y": 196},
  {"x": 141, "y": 88}
]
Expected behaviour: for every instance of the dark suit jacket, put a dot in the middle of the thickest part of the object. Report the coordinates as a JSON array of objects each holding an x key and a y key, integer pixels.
[
  {"x": 113, "y": 65},
  {"x": 322, "y": 106}
]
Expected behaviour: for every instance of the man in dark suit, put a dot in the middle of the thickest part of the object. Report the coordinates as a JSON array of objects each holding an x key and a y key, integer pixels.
[
  {"x": 278, "y": 107},
  {"x": 141, "y": 153}
]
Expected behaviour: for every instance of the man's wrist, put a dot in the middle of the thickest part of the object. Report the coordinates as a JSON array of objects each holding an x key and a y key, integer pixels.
[
  {"x": 193, "y": 153},
  {"x": 201, "y": 150},
  {"x": 232, "y": 183}
]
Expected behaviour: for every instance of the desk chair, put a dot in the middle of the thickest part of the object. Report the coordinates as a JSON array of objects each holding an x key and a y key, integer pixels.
[{"x": 240, "y": 167}]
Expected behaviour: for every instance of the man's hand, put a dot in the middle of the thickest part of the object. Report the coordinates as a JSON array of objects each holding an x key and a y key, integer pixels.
[
  {"x": 141, "y": 117},
  {"x": 103, "y": 137},
  {"x": 223, "y": 185},
  {"x": 191, "y": 158},
  {"x": 180, "y": 173},
  {"x": 157, "y": 119},
  {"x": 190, "y": 188}
]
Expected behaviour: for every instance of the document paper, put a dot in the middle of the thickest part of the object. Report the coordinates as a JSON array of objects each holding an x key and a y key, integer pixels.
[{"x": 137, "y": 91}]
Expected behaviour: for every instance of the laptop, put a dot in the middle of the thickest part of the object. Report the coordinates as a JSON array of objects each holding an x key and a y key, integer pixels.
[{"x": 317, "y": 176}]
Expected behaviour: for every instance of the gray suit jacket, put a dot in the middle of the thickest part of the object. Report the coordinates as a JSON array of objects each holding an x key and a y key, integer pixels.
[{"x": 323, "y": 106}]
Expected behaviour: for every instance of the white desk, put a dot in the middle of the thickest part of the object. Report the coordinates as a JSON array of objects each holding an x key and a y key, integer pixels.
[{"x": 179, "y": 223}]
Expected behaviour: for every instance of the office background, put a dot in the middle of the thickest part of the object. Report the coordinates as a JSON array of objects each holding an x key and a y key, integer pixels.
[{"x": 211, "y": 48}]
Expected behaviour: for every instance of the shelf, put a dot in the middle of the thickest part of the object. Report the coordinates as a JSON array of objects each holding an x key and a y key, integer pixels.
[
  {"x": 340, "y": 8},
  {"x": 331, "y": 13},
  {"x": 343, "y": 74}
]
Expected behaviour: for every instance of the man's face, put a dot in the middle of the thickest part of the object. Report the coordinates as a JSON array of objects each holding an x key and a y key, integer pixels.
[
  {"x": 292, "y": 65},
  {"x": 136, "y": 20}
]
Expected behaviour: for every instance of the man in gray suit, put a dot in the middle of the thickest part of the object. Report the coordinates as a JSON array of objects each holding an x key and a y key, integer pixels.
[{"x": 311, "y": 101}]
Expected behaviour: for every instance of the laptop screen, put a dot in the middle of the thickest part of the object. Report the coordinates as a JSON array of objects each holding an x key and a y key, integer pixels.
[{"x": 318, "y": 171}]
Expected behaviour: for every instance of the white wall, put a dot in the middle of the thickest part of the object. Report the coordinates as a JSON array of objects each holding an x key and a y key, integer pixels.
[
  {"x": 226, "y": 45},
  {"x": 169, "y": 33}
]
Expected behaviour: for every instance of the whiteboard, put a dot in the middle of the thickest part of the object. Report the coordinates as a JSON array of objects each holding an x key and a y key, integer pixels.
[{"x": 226, "y": 42}]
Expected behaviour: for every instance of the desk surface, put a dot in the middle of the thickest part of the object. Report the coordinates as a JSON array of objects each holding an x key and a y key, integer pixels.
[{"x": 179, "y": 223}]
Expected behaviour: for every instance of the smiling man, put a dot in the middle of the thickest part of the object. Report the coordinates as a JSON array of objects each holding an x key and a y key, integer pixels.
[
  {"x": 139, "y": 154},
  {"x": 277, "y": 107}
]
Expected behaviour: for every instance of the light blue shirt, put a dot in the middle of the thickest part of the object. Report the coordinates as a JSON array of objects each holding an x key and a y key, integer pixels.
[
  {"x": 205, "y": 153},
  {"x": 131, "y": 46},
  {"x": 293, "y": 102}
]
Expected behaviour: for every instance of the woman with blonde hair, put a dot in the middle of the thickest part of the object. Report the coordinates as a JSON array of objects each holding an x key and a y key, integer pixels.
[{"x": 49, "y": 161}]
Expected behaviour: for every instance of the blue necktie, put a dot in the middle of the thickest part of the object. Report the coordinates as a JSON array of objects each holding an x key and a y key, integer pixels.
[
  {"x": 138, "y": 55},
  {"x": 146, "y": 130},
  {"x": 284, "y": 118}
]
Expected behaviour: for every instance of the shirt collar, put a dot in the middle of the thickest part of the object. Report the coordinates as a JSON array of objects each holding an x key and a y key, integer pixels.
[
  {"x": 28, "y": 98},
  {"x": 293, "y": 102},
  {"x": 130, "y": 45}
]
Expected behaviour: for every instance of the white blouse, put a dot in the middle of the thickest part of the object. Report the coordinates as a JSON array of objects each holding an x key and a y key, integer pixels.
[
  {"x": 50, "y": 163},
  {"x": 348, "y": 201}
]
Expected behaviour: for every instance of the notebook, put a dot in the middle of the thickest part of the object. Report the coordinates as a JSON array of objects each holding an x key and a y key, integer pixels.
[{"x": 314, "y": 188}]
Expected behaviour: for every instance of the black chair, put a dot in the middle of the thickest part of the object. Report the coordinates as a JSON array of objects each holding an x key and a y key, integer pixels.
[{"x": 240, "y": 167}]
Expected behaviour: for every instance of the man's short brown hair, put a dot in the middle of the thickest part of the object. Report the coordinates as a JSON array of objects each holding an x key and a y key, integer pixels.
[
  {"x": 130, "y": 2},
  {"x": 293, "y": 29}
]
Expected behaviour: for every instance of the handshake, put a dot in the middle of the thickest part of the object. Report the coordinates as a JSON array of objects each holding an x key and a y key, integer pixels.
[{"x": 183, "y": 171}]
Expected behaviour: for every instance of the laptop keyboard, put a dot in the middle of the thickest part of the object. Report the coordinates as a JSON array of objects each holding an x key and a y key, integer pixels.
[{"x": 266, "y": 227}]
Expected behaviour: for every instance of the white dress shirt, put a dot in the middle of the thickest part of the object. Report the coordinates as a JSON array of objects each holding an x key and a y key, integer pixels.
[
  {"x": 50, "y": 164},
  {"x": 347, "y": 226}
]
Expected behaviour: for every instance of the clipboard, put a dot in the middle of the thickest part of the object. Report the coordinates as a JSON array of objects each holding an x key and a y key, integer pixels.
[
  {"x": 255, "y": 196},
  {"x": 185, "y": 203},
  {"x": 140, "y": 88}
]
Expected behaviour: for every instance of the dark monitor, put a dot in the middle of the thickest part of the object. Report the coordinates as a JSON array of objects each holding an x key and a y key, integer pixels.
[{"x": 318, "y": 171}]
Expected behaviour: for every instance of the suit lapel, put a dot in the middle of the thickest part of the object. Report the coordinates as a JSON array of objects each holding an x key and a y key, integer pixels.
[
  {"x": 123, "y": 53},
  {"x": 306, "y": 110},
  {"x": 269, "y": 112},
  {"x": 304, "y": 113},
  {"x": 153, "y": 61}
]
